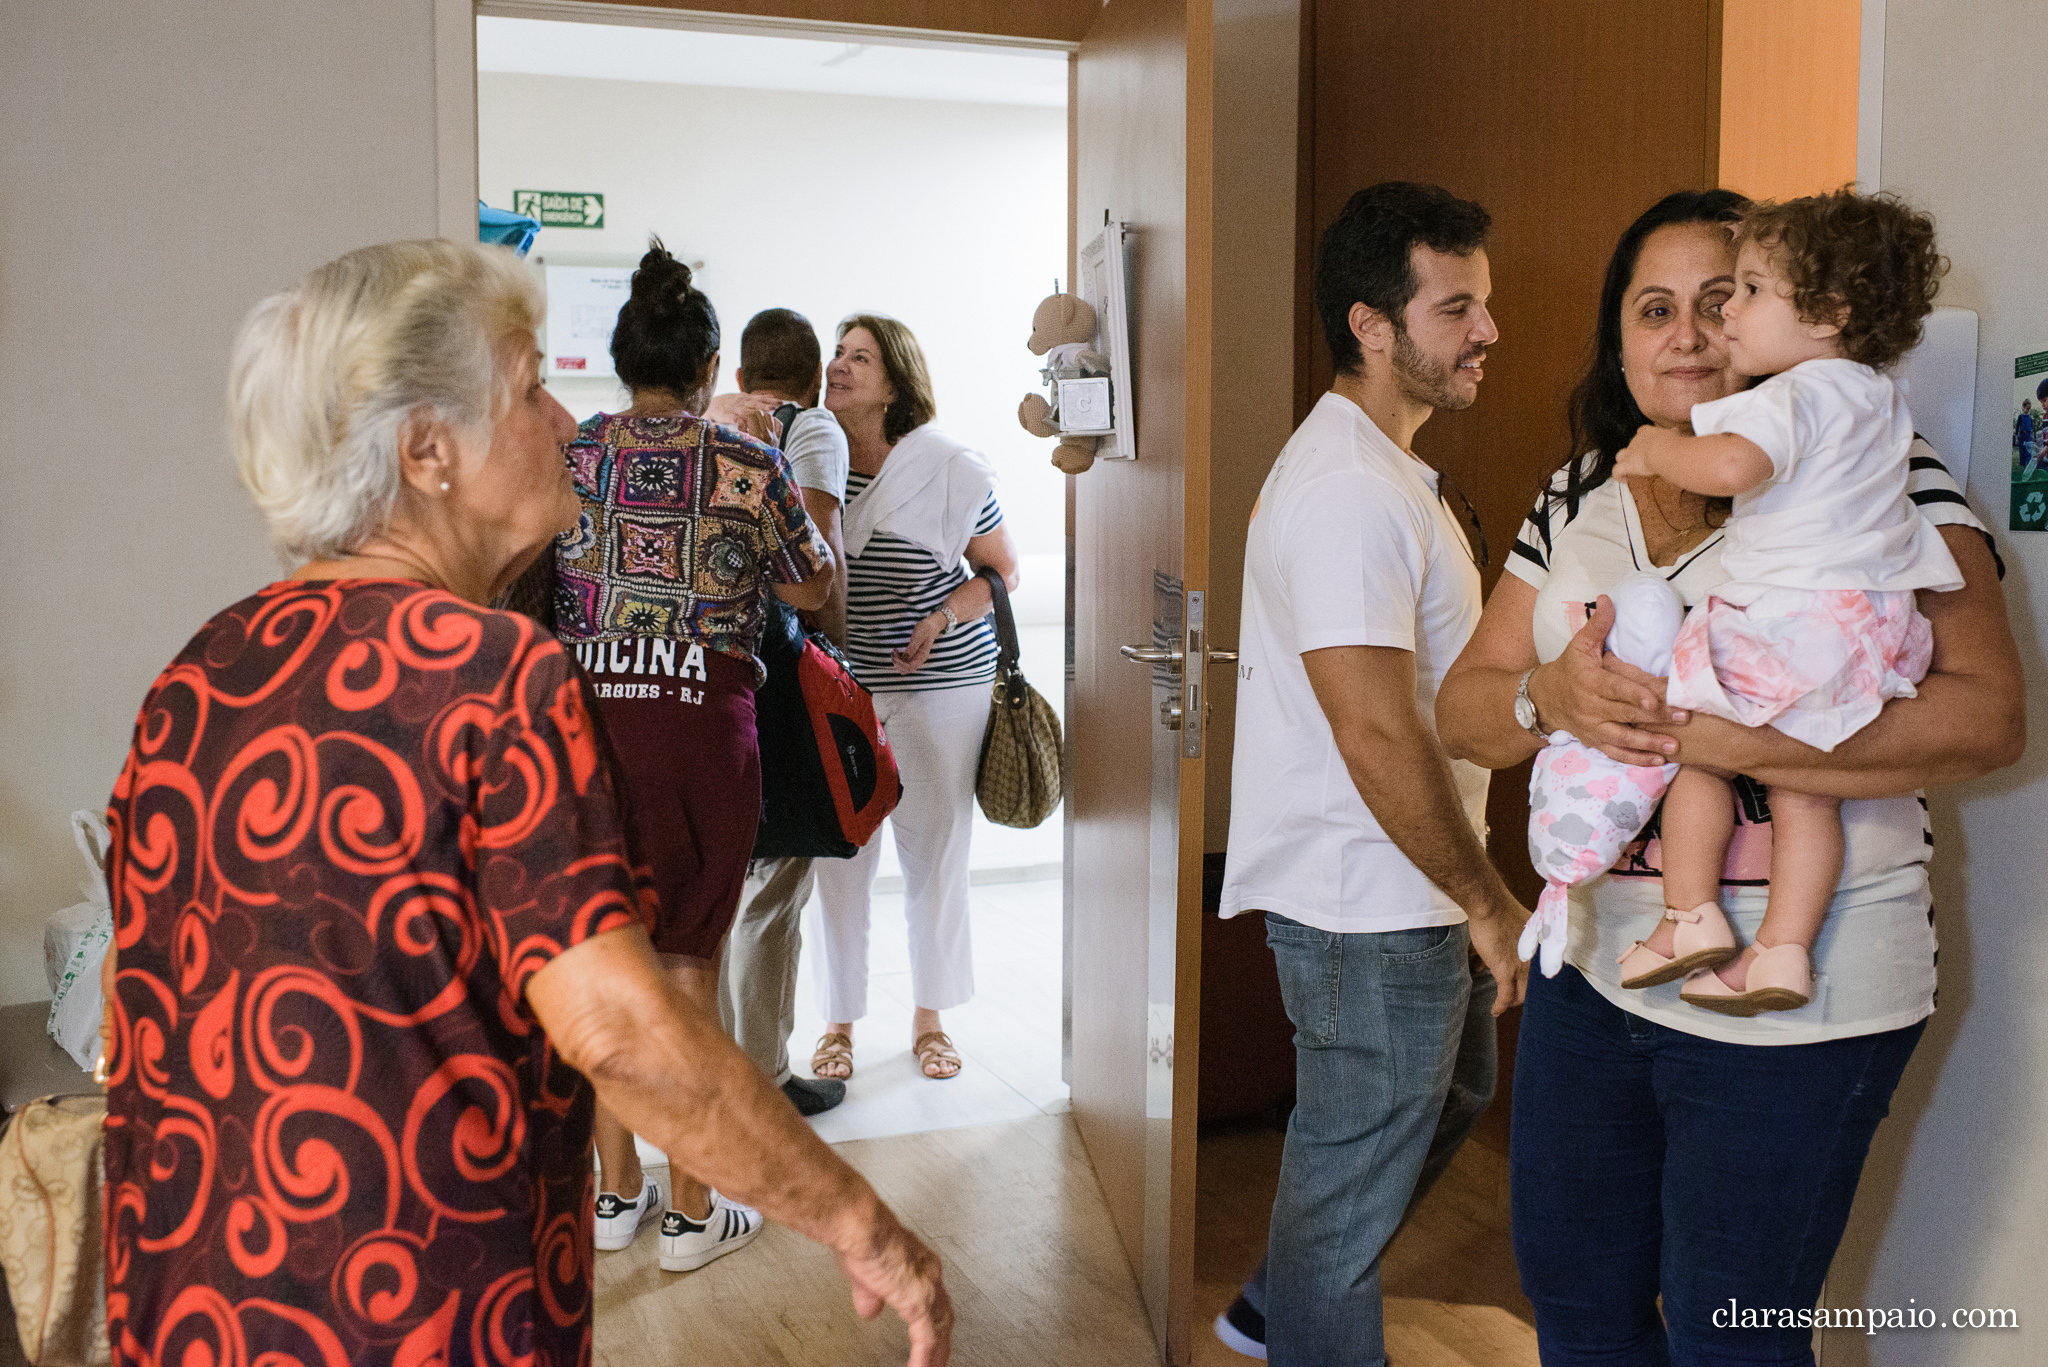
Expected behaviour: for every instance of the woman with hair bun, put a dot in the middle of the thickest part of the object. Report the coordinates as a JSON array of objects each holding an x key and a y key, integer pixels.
[{"x": 659, "y": 591}]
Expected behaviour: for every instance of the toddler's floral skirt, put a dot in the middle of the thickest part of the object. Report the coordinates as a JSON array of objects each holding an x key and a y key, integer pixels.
[{"x": 1817, "y": 664}]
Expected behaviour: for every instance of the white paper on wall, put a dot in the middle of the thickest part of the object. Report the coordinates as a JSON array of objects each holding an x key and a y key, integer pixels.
[{"x": 583, "y": 307}]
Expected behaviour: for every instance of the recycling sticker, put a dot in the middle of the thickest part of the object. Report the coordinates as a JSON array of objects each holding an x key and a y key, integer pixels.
[{"x": 560, "y": 208}]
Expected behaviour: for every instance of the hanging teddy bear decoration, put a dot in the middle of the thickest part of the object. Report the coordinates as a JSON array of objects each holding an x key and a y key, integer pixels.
[{"x": 1063, "y": 331}]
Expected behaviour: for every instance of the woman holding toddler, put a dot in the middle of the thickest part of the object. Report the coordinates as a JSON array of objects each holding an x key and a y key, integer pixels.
[{"x": 1662, "y": 1149}]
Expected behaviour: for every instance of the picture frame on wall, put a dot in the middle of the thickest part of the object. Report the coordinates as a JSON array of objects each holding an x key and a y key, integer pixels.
[
  {"x": 2029, "y": 511},
  {"x": 1104, "y": 269}
]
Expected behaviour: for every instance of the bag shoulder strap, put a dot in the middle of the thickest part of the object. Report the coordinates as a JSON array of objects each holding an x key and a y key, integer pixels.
[
  {"x": 1007, "y": 649},
  {"x": 786, "y": 414}
]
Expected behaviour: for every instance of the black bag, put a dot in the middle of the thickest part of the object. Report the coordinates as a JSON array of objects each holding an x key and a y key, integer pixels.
[
  {"x": 786, "y": 414},
  {"x": 827, "y": 776}
]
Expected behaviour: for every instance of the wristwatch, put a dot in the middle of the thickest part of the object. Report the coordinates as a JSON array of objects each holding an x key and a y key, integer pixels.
[
  {"x": 952, "y": 617},
  {"x": 1525, "y": 710}
]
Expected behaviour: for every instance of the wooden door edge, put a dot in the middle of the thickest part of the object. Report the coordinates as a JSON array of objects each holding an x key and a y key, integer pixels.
[{"x": 1198, "y": 368}]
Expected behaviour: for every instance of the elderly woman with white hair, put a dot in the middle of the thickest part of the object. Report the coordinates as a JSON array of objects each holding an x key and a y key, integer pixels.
[{"x": 381, "y": 928}]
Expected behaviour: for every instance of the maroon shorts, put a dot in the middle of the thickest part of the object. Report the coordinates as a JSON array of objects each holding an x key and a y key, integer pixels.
[{"x": 692, "y": 768}]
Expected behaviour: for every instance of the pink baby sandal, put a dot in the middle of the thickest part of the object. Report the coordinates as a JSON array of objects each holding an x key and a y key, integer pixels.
[
  {"x": 1703, "y": 940},
  {"x": 1780, "y": 979}
]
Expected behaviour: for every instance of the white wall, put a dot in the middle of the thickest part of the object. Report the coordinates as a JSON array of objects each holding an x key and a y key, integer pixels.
[
  {"x": 165, "y": 166},
  {"x": 950, "y": 217},
  {"x": 1955, "y": 1198}
]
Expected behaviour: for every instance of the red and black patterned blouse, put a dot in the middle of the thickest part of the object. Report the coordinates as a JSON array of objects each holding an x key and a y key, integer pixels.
[{"x": 357, "y": 816}]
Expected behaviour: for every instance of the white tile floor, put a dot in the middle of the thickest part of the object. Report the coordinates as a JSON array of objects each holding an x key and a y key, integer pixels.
[{"x": 1008, "y": 1036}]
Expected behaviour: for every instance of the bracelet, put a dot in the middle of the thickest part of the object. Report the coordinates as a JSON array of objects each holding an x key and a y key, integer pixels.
[{"x": 952, "y": 617}]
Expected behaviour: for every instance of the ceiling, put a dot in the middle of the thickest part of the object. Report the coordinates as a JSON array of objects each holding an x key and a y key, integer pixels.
[{"x": 977, "y": 75}]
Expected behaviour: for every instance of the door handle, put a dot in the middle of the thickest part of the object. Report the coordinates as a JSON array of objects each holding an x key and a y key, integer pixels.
[{"x": 1172, "y": 656}]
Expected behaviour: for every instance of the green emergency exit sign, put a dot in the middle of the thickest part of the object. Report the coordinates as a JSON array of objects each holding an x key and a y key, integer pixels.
[{"x": 560, "y": 208}]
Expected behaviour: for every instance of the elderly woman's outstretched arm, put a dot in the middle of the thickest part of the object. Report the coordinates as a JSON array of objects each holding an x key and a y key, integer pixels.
[{"x": 671, "y": 1074}]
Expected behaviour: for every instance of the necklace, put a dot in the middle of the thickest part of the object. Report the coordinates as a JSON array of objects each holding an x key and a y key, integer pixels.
[
  {"x": 1669, "y": 522},
  {"x": 1683, "y": 555}
]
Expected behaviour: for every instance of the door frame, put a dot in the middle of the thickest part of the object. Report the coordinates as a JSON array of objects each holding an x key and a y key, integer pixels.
[{"x": 1165, "y": 1272}]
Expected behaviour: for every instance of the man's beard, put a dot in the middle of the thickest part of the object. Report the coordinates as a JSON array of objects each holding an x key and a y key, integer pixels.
[{"x": 1425, "y": 379}]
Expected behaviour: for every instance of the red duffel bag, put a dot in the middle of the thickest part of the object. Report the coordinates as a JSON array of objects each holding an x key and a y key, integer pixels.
[{"x": 827, "y": 776}]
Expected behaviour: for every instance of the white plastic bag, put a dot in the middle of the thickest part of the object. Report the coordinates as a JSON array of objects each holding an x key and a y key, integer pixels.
[{"x": 80, "y": 935}]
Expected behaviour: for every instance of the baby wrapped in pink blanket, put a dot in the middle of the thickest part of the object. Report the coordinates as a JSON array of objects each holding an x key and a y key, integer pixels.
[{"x": 1585, "y": 808}]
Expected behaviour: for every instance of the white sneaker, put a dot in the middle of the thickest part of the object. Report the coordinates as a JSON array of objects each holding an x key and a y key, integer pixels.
[
  {"x": 618, "y": 1219},
  {"x": 688, "y": 1244}
]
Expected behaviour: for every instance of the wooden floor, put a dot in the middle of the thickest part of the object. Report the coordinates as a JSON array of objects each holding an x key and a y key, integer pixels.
[
  {"x": 1038, "y": 1276},
  {"x": 1453, "y": 1298},
  {"x": 1037, "y": 1273},
  {"x": 1035, "y": 1268}
]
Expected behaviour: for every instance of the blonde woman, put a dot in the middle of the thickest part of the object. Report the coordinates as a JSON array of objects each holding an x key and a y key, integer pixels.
[
  {"x": 381, "y": 929},
  {"x": 921, "y": 519}
]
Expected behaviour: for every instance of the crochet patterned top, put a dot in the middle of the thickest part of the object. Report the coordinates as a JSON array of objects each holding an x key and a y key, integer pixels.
[{"x": 685, "y": 524}]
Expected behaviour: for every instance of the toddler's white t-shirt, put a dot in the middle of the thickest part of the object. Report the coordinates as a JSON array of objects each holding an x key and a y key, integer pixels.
[{"x": 1834, "y": 514}]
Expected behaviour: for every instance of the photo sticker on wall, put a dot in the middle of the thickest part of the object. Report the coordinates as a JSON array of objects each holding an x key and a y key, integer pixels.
[
  {"x": 560, "y": 208},
  {"x": 2030, "y": 442}
]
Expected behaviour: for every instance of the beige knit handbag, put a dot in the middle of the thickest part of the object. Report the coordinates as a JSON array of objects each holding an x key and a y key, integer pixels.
[
  {"x": 1022, "y": 772},
  {"x": 52, "y": 1171}
]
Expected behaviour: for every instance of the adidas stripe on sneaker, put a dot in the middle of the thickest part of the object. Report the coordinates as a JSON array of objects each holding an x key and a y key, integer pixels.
[
  {"x": 688, "y": 1244},
  {"x": 619, "y": 1220}
]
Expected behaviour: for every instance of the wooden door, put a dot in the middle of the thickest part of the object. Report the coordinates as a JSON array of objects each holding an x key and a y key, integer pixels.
[{"x": 1141, "y": 157}]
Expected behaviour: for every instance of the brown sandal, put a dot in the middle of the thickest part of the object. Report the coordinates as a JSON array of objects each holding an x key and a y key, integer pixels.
[
  {"x": 934, "y": 1053},
  {"x": 833, "y": 1058}
]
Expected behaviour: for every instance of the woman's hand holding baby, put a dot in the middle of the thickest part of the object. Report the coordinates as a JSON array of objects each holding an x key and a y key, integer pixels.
[{"x": 1604, "y": 701}]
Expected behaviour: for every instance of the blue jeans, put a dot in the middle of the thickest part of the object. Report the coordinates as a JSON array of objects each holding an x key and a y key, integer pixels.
[
  {"x": 1393, "y": 1064},
  {"x": 1647, "y": 1160}
]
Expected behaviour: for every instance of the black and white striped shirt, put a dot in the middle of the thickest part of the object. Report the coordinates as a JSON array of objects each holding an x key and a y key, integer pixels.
[{"x": 892, "y": 586}]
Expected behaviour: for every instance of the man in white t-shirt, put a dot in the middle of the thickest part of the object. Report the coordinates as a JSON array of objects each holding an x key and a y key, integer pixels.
[
  {"x": 1350, "y": 830},
  {"x": 780, "y": 359}
]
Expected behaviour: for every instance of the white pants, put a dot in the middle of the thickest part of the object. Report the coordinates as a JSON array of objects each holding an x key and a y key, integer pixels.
[{"x": 936, "y": 738}]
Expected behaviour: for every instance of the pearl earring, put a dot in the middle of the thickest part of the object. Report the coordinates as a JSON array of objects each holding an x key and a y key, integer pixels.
[{"x": 444, "y": 486}]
